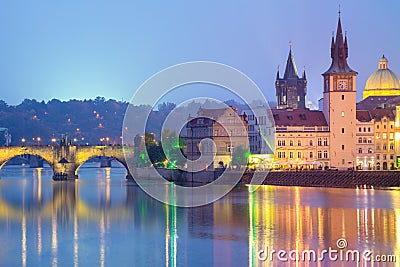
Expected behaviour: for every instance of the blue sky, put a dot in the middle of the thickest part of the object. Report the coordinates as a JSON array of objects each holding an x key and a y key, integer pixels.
[{"x": 83, "y": 49}]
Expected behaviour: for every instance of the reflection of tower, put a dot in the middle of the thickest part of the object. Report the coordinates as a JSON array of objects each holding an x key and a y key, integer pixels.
[
  {"x": 340, "y": 103},
  {"x": 64, "y": 201},
  {"x": 291, "y": 89}
]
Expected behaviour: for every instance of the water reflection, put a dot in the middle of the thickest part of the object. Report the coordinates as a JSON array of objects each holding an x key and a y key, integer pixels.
[{"x": 103, "y": 220}]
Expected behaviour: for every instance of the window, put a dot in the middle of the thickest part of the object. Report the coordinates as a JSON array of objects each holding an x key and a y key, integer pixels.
[
  {"x": 378, "y": 157},
  {"x": 365, "y": 129},
  {"x": 342, "y": 113},
  {"x": 342, "y": 161},
  {"x": 319, "y": 141},
  {"x": 342, "y": 130},
  {"x": 291, "y": 154},
  {"x": 311, "y": 155},
  {"x": 342, "y": 97},
  {"x": 298, "y": 142},
  {"x": 311, "y": 143},
  {"x": 384, "y": 135},
  {"x": 281, "y": 142},
  {"x": 299, "y": 155},
  {"x": 319, "y": 154},
  {"x": 384, "y": 147},
  {"x": 325, "y": 141},
  {"x": 391, "y": 147},
  {"x": 391, "y": 135},
  {"x": 230, "y": 148},
  {"x": 391, "y": 157},
  {"x": 377, "y": 126},
  {"x": 281, "y": 154},
  {"x": 369, "y": 150},
  {"x": 391, "y": 126},
  {"x": 359, "y": 129},
  {"x": 359, "y": 140},
  {"x": 369, "y": 129},
  {"x": 365, "y": 140},
  {"x": 378, "y": 147},
  {"x": 384, "y": 156},
  {"x": 291, "y": 143},
  {"x": 369, "y": 140},
  {"x": 325, "y": 154},
  {"x": 378, "y": 135},
  {"x": 360, "y": 150},
  {"x": 384, "y": 126},
  {"x": 342, "y": 147}
]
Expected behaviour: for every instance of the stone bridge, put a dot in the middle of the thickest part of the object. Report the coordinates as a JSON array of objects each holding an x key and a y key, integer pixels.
[{"x": 66, "y": 160}]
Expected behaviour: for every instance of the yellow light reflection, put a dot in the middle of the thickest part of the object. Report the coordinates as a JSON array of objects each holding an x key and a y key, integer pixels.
[{"x": 39, "y": 184}]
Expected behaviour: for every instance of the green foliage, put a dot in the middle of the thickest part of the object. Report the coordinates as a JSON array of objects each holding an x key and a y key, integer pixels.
[{"x": 240, "y": 156}]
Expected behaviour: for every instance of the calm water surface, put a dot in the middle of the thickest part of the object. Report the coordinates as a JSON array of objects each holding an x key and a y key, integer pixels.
[{"x": 102, "y": 220}]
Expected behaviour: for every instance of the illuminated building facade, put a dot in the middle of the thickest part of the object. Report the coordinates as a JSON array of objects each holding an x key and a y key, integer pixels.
[
  {"x": 365, "y": 141},
  {"x": 301, "y": 139}
]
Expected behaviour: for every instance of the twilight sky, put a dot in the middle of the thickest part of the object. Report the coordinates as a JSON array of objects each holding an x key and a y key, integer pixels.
[{"x": 83, "y": 49}]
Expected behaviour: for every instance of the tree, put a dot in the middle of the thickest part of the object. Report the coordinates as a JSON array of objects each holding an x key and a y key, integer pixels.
[{"x": 240, "y": 156}]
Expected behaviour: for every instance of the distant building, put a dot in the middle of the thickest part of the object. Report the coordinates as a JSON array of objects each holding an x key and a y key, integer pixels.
[
  {"x": 225, "y": 127},
  {"x": 291, "y": 89}
]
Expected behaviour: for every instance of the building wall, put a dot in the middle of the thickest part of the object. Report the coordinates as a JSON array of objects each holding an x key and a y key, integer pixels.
[
  {"x": 365, "y": 145},
  {"x": 228, "y": 132},
  {"x": 385, "y": 156},
  {"x": 341, "y": 112},
  {"x": 302, "y": 147}
]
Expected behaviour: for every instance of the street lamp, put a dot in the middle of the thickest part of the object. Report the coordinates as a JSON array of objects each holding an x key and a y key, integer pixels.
[
  {"x": 53, "y": 140},
  {"x": 38, "y": 140},
  {"x": 23, "y": 140}
]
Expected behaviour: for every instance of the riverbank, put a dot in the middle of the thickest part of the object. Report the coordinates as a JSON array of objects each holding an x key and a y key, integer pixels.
[{"x": 340, "y": 179}]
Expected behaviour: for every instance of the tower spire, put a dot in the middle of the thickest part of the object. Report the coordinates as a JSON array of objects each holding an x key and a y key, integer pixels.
[
  {"x": 291, "y": 70},
  {"x": 339, "y": 51}
]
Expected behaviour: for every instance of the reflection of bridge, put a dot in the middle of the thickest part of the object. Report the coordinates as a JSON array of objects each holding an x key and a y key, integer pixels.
[{"x": 65, "y": 160}]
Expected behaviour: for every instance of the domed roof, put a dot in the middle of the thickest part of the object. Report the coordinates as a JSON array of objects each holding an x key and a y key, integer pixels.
[{"x": 382, "y": 82}]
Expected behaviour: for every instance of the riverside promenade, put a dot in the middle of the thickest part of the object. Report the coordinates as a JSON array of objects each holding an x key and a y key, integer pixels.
[{"x": 341, "y": 179}]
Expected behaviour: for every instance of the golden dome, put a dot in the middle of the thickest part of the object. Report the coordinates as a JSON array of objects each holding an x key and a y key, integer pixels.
[{"x": 382, "y": 82}]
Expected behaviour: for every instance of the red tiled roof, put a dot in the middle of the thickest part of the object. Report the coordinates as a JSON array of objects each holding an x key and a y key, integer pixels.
[
  {"x": 380, "y": 113},
  {"x": 363, "y": 115},
  {"x": 298, "y": 117}
]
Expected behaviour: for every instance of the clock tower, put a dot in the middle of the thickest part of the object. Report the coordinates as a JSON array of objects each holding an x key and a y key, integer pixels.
[{"x": 340, "y": 104}]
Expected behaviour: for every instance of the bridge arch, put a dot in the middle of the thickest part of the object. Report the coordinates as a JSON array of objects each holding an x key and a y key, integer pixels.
[
  {"x": 123, "y": 163},
  {"x": 45, "y": 153}
]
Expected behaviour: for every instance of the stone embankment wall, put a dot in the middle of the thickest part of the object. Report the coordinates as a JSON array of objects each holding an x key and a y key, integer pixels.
[{"x": 344, "y": 179}]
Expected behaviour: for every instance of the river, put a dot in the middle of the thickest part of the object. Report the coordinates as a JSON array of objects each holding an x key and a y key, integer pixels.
[{"x": 103, "y": 220}]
